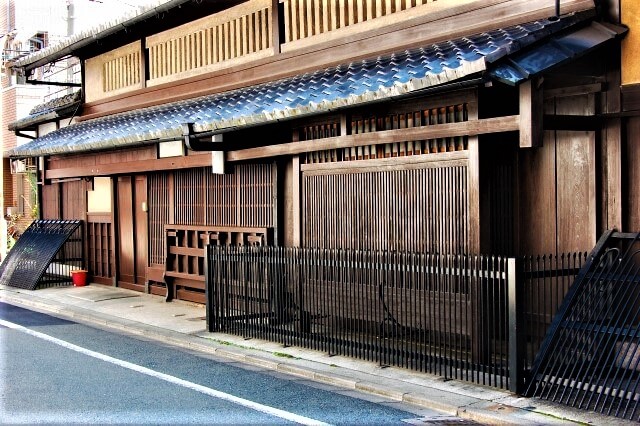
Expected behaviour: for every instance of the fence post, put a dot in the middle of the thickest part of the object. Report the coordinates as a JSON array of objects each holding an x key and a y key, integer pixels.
[
  {"x": 208, "y": 287},
  {"x": 517, "y": 332}
]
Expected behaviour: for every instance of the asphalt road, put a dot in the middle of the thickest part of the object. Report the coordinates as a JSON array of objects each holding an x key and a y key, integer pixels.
[{"x": 55, "y": 371}]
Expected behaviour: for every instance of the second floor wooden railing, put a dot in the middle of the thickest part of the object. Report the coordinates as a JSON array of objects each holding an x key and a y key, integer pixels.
[
  {"x": 122, "y": 71},
  {"x": 239, "y": 34},
  {"x": 258, "y": 29},
  {"x": 236, "y": 33},
  {"x": 307, "y": 18}
]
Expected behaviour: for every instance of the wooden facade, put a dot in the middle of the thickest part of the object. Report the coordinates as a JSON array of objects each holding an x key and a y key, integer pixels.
[{"x": 451, "y": 172}]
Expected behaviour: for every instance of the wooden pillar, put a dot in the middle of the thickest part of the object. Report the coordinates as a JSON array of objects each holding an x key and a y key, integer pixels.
[
  {"x": 612, "y": 148},
  {"x": 473, "y": 180},
  {"x": 40, "y": 182},
  {"x": 172, "y": 197},
  {"x": 114, "y": 233},
  {"x": 276, "y": 200},
  {"x": 296, "y": 193},
  {"x": 293, "y": 200},
  {"x": 143, "y": 63},
  {"x": 531, "y": 113},
  {"x": 474, "y": 196},
  {"x": 275, "y": 26}
]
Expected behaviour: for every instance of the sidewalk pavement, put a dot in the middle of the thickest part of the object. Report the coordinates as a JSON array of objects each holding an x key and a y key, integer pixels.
[{"x": 183, "y": 324}]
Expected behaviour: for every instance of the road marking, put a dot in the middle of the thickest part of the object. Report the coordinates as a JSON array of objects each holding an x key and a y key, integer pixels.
[{"x": 166, "y": 377}]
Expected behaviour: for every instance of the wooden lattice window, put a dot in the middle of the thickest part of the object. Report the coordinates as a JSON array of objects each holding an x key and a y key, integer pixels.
[
  {"x": 222, "y": 199},
  {"x": 158, "y": 216},
  {"x": 394, "y": 121},
  {"x": 256, "y": 185},
  {"x": 418, "y": 210},
  {"x": 190, "y": 196}
]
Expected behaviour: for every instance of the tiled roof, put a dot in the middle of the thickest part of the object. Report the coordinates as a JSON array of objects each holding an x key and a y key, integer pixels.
[
  {"x": 48, "y": 111},
  {"x": 553, "y": 51},
  {"x": 352, "y": 84}
]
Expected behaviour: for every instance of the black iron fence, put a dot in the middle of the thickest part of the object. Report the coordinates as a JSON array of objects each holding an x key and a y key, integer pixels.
[
  {"x": 474, "y": 318},
  {"x": 590, "y": 358},
  {"x": 545, "y": 281},
  {"x": 70, "y": 257},
  {"x": 44, "y": 255}
]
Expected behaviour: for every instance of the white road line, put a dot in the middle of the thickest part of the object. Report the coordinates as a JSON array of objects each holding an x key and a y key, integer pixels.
[{"x": 171, "y": 379}]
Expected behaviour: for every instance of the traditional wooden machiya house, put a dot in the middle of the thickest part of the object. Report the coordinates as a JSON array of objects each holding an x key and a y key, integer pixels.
[
  {"x": 429, "y": 126},
  {"x": 393, "y": 133}
]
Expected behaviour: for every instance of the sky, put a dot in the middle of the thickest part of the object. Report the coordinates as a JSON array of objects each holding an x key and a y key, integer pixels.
[{"x": 33, "y": 16}]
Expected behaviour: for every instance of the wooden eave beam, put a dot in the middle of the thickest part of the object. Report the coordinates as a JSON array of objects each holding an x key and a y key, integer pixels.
[
  {"x": 171, "y": 163},
  {"x": 464, "y": 128}
]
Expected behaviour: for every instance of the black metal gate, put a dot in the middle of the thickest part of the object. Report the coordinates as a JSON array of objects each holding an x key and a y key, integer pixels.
[
  {"x": 590, "y": 358},
  {"x": 44, "y": 255}
]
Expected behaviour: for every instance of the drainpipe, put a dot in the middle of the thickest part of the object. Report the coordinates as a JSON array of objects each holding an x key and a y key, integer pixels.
[{"x": 557, "y": 8}]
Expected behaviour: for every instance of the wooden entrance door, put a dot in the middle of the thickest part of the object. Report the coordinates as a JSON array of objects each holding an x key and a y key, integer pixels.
[{"x": 132, "y": 232}]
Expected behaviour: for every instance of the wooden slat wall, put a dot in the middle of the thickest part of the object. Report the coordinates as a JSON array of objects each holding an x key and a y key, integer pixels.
[
  {"x": 307, "y": 18},
  {"x": 557, "y": 186},
  {"x": 51, "y": 201},
  {"x": 576, "y": 173},
  {"x": 423, "y": 210},
  {"x": 189, "y": 196},
  {"x": 222, "y": 199},
  {"x": 244, "y": 198},
  {"x": 256, "y": 190},
  {"x": 74, "y": 200},
  {"x": 158, "y": 216},
  {"x": 235, "y": 33}
]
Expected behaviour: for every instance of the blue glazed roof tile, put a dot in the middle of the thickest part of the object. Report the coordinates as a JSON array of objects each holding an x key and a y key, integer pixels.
[
  {"x": 325, "y": 90},
  {"x": 552, "y": 52}
]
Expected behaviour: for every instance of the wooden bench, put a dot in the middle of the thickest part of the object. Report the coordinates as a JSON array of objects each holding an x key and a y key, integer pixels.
[{"x": 185, "y": 251}]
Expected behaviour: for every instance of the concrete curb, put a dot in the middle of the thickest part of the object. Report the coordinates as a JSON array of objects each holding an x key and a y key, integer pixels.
[{"x": 461, "y": 400}]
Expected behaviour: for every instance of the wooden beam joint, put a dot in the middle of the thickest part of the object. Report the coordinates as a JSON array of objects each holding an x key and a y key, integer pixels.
[{"x": 531, "y": 112}]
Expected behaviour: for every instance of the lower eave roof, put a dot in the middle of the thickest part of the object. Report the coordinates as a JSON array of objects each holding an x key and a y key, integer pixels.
[
  {"x": 509, "y": 55},
  {"x": 52, "y": 110}
]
